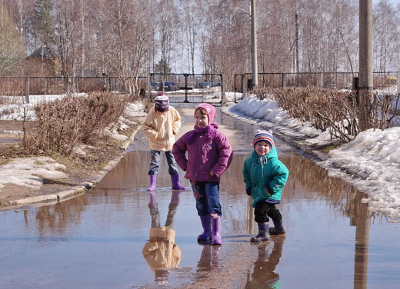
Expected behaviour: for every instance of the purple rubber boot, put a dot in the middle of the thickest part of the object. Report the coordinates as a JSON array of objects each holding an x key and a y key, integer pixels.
[
  {"x": 153, "y": 179},
  {"x": 206, "y": 236},
  {"x": 176, "y": 183},
  {"x": 216, "y": 231}
]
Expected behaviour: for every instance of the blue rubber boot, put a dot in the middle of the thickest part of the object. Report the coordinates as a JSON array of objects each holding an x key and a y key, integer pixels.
[{"x": 262, "y": 233}]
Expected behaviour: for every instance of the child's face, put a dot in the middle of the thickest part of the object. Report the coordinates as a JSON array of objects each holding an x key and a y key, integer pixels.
[
  {"x": 262, "y": 148},
  {"x": 201, "y": 120}
]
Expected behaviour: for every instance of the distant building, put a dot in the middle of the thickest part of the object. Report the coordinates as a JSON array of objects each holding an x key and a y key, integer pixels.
[{"x": 44, "y": 62}]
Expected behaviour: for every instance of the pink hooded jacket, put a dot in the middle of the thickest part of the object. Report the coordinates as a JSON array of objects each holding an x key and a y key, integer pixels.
[{"x": 207, "y": 149}]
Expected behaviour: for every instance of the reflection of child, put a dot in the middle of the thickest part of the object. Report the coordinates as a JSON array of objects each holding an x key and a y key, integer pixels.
[
  {"x": 209, "y": 155},
  {"x": 264, "y": 275},
  {"x": 161, "y": 125},
  {"x": 160, "y": 251},
  {"x": 265, "y": 176}
]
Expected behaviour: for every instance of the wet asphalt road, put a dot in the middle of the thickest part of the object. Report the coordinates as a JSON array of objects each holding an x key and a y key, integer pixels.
[{"x": 97, "y": 240}]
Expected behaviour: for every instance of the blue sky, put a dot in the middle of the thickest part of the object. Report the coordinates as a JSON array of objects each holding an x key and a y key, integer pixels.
[{"x": 394, "y": 2}]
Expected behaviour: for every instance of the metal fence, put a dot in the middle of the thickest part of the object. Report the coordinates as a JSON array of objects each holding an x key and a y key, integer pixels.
[
  {"x": 48, "y": 85},
  {"x": 333, "y": 80},
  {"x": 188, "y": 88}
]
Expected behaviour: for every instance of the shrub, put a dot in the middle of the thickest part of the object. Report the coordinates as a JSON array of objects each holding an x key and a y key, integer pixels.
[
  {"x": 326, "y": 109},
  {"x": 333, "y": 110},
  {"x": 62, "y": 124}
]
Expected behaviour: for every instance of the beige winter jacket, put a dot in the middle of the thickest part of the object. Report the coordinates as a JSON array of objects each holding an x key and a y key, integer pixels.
[{"x": 161, "y": 128}]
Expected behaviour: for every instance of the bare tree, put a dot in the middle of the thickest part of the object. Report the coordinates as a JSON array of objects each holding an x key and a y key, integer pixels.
[
  {"x": 386, "y": 37},
  {"x": 123, "y": 31}
]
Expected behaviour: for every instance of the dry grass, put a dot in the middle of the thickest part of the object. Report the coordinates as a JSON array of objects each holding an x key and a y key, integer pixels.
[
  {"x": 331, "y": 110},
  {"x": 63, "y": 124}
]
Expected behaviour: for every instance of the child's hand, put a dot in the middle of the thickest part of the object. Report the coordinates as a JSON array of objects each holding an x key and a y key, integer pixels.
[
  {"x": 212, "y": 173},
  {"x": 248, "y": 191}
]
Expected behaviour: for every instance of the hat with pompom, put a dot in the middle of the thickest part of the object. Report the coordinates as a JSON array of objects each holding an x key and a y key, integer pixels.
[
  {"x": 262, "y": 135},
  {"x": 161, "y": 102}
]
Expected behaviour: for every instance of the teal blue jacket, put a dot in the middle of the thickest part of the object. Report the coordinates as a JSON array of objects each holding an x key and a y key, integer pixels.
[{"x": 266, "y": 175}]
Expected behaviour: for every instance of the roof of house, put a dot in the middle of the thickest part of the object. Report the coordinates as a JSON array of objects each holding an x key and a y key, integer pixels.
[{"x": 47, "y": 53}]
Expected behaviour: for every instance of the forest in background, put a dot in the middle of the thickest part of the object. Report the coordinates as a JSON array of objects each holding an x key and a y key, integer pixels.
[{"x": 127, "y": 39}]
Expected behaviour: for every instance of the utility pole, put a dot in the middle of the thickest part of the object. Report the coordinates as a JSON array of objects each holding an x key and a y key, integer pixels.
[
  {"x": 297, "y": 42},
  {"x": 254, "y": 68},
  {"x": 366, "y": 81}
]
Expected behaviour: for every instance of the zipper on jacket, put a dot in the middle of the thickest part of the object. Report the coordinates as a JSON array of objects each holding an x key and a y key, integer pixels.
[{"x": 199, "y": 154}]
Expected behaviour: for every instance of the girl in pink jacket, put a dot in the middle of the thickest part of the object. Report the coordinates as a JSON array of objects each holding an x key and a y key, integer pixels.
[{"x": 209, "y": 155}]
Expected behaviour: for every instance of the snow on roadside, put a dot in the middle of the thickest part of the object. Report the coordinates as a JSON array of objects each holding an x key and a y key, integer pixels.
[
  {"x": 29, "y": 172},
  {"x": 371, "y": 162}
]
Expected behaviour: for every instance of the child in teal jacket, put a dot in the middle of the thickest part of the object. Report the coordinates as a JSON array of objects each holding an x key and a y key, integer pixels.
[{"x": 265, "y": 176}]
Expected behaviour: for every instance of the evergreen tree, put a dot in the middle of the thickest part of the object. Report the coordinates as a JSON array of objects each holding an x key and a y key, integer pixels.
[
  {"x": 43, "y": 22},
  {"x": 162, "y": 67},
  {"x": 10, "y": 41}
]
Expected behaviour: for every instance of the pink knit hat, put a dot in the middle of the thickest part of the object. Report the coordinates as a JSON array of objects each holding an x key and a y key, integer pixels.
[{"x": 211, "y": 111}]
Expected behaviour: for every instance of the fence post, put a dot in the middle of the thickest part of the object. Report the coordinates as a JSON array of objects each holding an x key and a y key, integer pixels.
[
  {"x": 223, "y": 100},
  {"x": 27, "y": 89},
  {"x": 67, "y": 85},
  {"x": 321, "y": 79},
  {"x": 398, "y": 82},
  {"x": 186, "y": 88},
  {"x": 243, "y": 86},
  {"x": 283, "y": 79}
]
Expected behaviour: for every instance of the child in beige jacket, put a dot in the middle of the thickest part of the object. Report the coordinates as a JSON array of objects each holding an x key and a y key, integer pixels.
[{"x": 161, "y": 125}]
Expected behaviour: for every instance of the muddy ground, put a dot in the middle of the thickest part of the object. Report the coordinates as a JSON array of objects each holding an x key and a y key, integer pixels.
[{"x": 80, "y": 169}]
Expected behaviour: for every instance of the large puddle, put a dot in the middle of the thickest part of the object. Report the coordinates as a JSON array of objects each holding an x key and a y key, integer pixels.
[{"x": 102, "y": 239}]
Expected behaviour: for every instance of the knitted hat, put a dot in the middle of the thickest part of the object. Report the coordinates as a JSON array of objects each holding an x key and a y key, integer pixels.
[
  {"x": 263, "y": 136},
  {"x": 211, "y": 111},
  {"x": 161, "y": 102}
]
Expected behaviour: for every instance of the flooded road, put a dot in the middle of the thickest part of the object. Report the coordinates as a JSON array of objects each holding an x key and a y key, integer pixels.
[{"x": 102, "y": 239}]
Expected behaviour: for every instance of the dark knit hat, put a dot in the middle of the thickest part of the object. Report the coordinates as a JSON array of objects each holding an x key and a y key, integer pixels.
[
  {"x": 161, "y": 102},
  {"x": 263, "y": 136}
]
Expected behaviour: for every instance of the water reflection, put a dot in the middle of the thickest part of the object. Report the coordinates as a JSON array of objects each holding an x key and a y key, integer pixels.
[
  {"x": 160, "y": 252},
  {"x": 60, "y": 217},
  {"x": 264, "y": 275},
  {"x": 209, "y": 259}
]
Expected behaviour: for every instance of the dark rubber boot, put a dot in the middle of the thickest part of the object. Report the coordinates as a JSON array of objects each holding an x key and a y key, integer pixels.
[
  {"x": 206, "y": 236},
  {"x": 277, "y": 229},
  {"x": 216, "y": 231},
  {"x": 262, "y": 234},
  {"x": 153, "y": 179},
  {"x": 176, "y": 183}
]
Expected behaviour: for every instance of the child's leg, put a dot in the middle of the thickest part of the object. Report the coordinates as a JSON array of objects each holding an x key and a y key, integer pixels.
[
  {"x": 276, "y": 217},
  {"x": 214, "y": 207},
  {"x": 154, "y": 162},
  {"x": 202, "y": 211},
  {"x": 173, "y": 171},
  {"x": 172, "y": 166},
  {"x": 260, "y": 213},
  {"x": 154, "y": 165}
]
